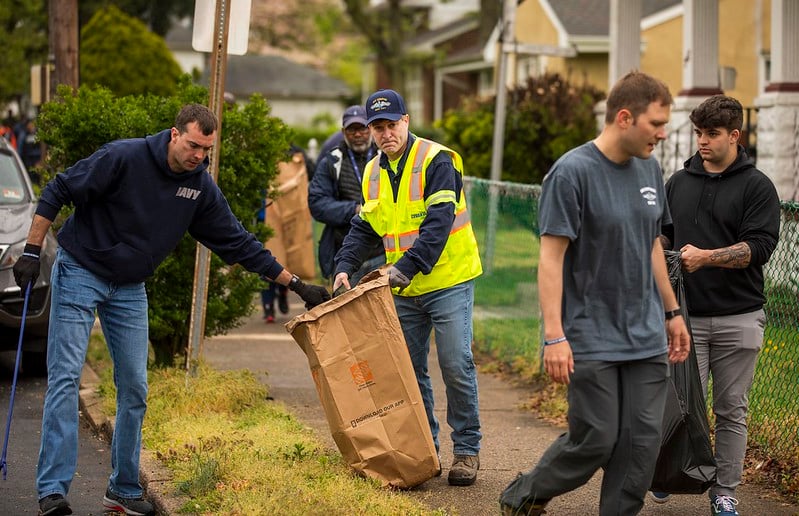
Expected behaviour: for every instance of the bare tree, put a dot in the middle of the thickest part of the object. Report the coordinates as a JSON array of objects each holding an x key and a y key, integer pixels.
[{"x": 386, "y": 28}]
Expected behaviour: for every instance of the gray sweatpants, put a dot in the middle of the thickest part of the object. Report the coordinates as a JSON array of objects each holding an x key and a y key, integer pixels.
[
  {"x": 615, "y": 418},
  {"x": 726, "y": 349}
]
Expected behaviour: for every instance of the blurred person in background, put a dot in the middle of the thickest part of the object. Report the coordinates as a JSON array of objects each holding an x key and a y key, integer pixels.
[{"x": 334, "y": 194}]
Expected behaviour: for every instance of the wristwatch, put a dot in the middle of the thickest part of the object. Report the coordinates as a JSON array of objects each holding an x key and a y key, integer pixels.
[{"x": 671, "y": 314}]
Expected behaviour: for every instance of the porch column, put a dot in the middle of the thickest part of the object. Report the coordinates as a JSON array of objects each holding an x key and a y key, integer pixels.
[
  {"x": 700, "y": 79},
  {"x": 624, "y": 53},
  {"x": 625, "y": 39},
  {"x": 700, "y": 48},
  {"x": 778, "y": 116}
]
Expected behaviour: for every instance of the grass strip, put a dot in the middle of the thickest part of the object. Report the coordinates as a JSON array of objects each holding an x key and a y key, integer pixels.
[{"x": 232, "y": 451}]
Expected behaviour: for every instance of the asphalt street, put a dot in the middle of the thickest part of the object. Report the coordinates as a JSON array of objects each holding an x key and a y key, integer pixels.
[{"x": 18, "y": 490}]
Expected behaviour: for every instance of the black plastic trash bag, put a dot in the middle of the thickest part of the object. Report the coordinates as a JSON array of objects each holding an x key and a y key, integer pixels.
[{"x": 685, "y": 464}]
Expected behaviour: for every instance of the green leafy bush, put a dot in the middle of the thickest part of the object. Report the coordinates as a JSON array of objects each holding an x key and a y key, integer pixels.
[
  {"x": 252, "y": 143},
  {"x": 545, "y": 118},
  {"x": 118, "y": 52}
]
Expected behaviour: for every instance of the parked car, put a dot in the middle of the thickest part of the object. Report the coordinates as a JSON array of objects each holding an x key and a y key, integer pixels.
[{"x": 17, "y": 206}]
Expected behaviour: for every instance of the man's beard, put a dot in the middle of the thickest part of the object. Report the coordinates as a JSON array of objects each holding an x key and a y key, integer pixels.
[{"x": 359, "y": 148}]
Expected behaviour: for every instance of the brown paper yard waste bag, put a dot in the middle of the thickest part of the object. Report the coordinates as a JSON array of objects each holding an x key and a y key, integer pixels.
[
  {"x": 292, "y": 242},
  {"x": 365, "y": 381}
]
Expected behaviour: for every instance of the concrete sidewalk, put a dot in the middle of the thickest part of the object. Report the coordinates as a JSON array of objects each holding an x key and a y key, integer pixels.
[{"x": 513, "y": 439}]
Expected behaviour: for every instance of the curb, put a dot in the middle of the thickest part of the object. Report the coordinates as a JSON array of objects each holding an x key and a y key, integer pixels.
[{"x": 154, "y": 477}]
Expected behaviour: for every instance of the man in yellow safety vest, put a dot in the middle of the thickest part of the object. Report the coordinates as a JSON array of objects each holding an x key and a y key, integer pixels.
[{"x": 414, "y": 203}]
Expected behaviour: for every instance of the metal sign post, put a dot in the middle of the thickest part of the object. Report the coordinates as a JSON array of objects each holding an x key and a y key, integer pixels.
[
  {"x": 202, "y": 266},
  {"x": 506, "y": 35}
]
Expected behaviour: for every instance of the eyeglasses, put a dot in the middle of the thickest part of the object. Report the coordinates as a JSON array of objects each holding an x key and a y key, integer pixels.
[{"x": 355, "y": 129}]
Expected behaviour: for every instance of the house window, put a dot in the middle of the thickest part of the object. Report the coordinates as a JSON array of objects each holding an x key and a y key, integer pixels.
[
  {"x": 764, "y": 71},
  {"x": 527, "y": 68},
  {"x": 415, "y": 92},
  {"x": 485, "y": 86}
]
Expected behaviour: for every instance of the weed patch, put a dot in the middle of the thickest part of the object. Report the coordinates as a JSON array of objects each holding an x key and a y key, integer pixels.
[{"x": 232, "y": 451}]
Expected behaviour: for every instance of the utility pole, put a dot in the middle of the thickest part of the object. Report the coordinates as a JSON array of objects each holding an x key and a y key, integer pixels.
[
  {"x": 63, "y": 43},
  {"x": 506, "y": 36}
]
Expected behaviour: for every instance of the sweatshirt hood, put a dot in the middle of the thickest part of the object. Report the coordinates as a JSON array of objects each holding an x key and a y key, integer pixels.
[
  {"x": 693, "y": 165},
  {"x": 158, "y": 145}
]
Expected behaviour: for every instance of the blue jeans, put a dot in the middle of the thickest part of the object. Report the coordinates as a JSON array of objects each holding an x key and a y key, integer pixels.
[
  {"x": 449, "y": 313},
  {"x": 368, "y": 266},
  {"x": 122, "y": 309}
]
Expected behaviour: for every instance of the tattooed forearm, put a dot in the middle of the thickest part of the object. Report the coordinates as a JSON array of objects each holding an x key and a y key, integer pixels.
[{"x": 736, "y": 256}]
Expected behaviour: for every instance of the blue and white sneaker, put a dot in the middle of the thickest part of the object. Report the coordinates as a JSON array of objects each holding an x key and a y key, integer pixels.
[
  {"x": 723, "y": 506},
  {"x": 659, "y": 497}
]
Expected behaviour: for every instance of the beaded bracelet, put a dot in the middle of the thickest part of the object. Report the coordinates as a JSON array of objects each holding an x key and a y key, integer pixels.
[{"x": 555, "y": 341}]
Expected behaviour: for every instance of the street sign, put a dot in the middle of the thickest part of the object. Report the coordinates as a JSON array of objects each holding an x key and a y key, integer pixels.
[{"x": 203, "y": 37}]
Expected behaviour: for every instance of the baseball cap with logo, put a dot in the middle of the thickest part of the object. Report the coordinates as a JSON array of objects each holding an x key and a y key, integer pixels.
[
  {"x": 353, "y": 115},
  {"x": 385, "y": 105}
]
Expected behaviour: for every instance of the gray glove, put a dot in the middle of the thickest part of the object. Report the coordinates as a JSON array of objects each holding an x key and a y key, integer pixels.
[{"x": 397, "y": 278}]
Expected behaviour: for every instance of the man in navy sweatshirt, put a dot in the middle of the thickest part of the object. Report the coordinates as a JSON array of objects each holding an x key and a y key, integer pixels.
[{"x": 134, "y": 200}]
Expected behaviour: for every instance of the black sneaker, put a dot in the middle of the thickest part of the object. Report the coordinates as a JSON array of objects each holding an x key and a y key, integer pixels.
[
  {"x": 283, "y": 301},
  {"x": 54, "y": 505},
  {"x": 464, "y": 470},
  {"x": 131, "y": 506}
]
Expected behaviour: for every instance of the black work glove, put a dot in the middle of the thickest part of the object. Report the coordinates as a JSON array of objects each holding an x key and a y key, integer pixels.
[
  {"x": 397, "y": 279},
  {"x": 312, "y": 294},
  {"x": 26, "y": 270}
]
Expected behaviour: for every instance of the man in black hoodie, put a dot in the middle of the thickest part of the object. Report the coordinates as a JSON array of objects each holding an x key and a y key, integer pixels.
[
  {"x": 134, "y": 200},
  {"x": 726, "y": 219}
]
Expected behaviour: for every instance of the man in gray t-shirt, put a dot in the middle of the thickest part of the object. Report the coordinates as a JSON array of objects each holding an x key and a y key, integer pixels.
[
  {"x": 605, "y": 294},
  {"x": 611, "y": 214}
]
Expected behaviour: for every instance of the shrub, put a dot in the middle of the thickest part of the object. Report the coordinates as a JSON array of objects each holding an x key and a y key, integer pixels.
[
  {"x": 545, "y": 118},
  {"x": 252, "y": 143},
  {"x": 118, "y": 52}
]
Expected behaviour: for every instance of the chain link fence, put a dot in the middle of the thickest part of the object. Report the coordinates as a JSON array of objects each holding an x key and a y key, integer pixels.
[
  {"x": 506, "y": 313},
  {"x": 774, "y": 398}
]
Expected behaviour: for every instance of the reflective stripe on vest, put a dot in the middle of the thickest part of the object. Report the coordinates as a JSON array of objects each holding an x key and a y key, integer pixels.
[
  {"x": 415, "y": 191},
  {"x": 398, "y": 219},
  {"x": 406, "y": 240},
  {"x": 374, "y": 178}
]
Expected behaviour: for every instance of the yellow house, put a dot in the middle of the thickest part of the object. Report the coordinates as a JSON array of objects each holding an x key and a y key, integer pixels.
[
  {"x": 572, "y": 37},
  {"x": 744, "y": 48}
]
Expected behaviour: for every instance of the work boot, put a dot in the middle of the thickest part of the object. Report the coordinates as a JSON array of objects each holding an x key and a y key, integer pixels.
[{"x": 464, "y": 470}]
